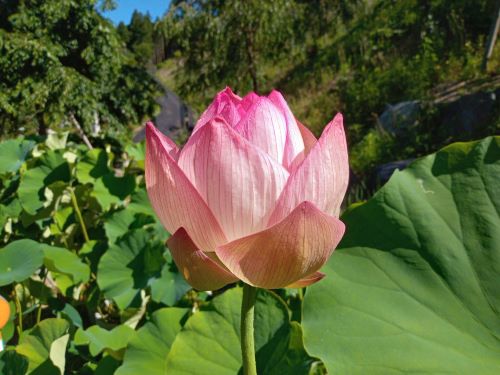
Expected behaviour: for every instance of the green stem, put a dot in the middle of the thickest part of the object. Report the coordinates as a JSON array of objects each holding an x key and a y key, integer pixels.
[
  {"x": 42, "y": 292},
  {"x": 19, "y": 312},
  {"x": 247, "y": 336},
  {"x": 79, "y": 215}
]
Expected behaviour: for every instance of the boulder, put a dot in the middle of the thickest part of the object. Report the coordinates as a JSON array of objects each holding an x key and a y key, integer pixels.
[
  {"x": 384, "y": 171},
  {"x": 397, "y": 118},
  {"x": 470, "y": 114}
]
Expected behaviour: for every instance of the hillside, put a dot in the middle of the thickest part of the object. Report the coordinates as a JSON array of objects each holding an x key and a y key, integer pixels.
[{"x": 362, "y": 59}]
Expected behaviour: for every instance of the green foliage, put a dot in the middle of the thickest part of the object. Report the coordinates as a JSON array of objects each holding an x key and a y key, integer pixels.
[
  {"x": 139, "y": 36},
  {"x": 95, "y": 291},
  {"x": 45, "y": 346},
  {"x": 80, "y": 207},
  {"x": 60, "y": 60},
  {"x": 130, "y": 266},
  {"x": 199, "y": 349},
  {"x": 228, "y": 41},
  {"x": 370, "y": 151},
  {"x": 19, "y": 260},
  {"x": 329, "y": 56},
  {"x": 13, "y": 153},
  {"x": 99, "y": 339},
  {"x": 414, "y": 286},
  {"x": 12, "y": 363},
  {"x": 148, "y": 350}
]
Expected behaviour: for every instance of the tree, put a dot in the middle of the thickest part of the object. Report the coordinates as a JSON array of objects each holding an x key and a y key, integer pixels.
[
  {"x": 225, "y": 41},
  {"x": 140, "y": 37},
  {"x": 59, "y": 60}
]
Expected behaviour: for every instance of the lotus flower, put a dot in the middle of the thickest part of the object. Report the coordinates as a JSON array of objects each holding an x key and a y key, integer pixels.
[{"x": 253, "y": 195}]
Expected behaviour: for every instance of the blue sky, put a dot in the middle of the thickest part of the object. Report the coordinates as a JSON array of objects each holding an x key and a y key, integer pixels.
[{"x": 125, "y": 8}]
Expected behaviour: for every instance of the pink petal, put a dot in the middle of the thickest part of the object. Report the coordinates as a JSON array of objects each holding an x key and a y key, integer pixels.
[
  {"x": 285, "y": 253},
  {"x": 239, "y": 182},
  {"x": 247, "y": 102},
  {"x": 308, "y": 137},
  {"x": 235, "y": 99},
  {"x": 174, "y": 198},
  {"x": 265, "y": 127},
  {"x": 230, "y": 113},
  {"x": 225, "y": 98},
  {"x": 169, "y": 145},
  {"x": 321, "y": 178},
  {"x": 309, "y": 142},
  {"x": 198, "y": 269},
  {"x": 294, "y": 143},
  {"x": 308, "y": 280}
]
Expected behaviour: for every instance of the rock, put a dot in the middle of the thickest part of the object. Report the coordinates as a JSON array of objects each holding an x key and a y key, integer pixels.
[
  {"x": 384, "y": 172},
  {"x": 470, "y": 114},
  {"x": 397, "y": 118},
  {"x": 460, "y": 117}
]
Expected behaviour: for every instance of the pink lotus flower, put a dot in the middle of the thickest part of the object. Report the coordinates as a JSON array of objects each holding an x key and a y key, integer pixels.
[{"x": 251, "y": 196}]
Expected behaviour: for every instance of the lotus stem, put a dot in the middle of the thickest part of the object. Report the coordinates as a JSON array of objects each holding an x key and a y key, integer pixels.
[
  {"x": 42, "y": 293},
  {"x": 79, "y": 215},
  {"x": 247, "y": 336},
  {"x": 19, "y": 312}
]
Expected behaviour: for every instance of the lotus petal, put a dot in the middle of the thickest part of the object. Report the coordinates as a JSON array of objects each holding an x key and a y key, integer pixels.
[
  {"x": 294, "y": 144},
  {"x": 199, "y": 270},
  {"x": 321, "y": 178},
  {"x": 239, "y": 182},
  {"x": 265, "y": 127},
  {"x": 247, "y": 102},
  {"x": 308, "y": 280},
  {"x": 225, "y": 98},
  {"x": 174, "y": 198},
  {"x": 309, "y": 142},
  {"x": 308, "y": 137},
  {"x": 286, "y": 252}
]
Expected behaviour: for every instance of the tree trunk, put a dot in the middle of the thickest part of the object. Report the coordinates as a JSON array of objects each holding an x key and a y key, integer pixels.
[
  {"x": 492, "y": 37},
  {"x": 80, "y": 131},
  {"x": 42, "y": 127}
]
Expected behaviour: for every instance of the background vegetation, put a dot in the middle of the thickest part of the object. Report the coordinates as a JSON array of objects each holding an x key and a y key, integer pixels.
[{"x": 354, "y": 57}]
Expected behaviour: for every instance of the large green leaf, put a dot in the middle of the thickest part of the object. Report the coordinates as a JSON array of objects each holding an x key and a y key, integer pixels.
[
  {"x": 93, "y": 164},
  {"x": 147, "y": 352},
  {"x": 12, "y": 363},
  {"x": 99, "y": 339},
  {"x": 121, "y": 222},
  {"x": 129, "y": 266},
  {"x": 49, "y": 168},
  {"x": 140, "y": 204},
  {"x": 111, "y": 190},
  {"x": 11, "y": 209},
  {"x": 137, "y": 152},
  {"x": 414, "y": 286},
  {"x": 19, "y": 260},
  {"x": 63, "y": 261},
  {"x": 13, "y": 153},
  {"x": 169, "y": 287},
  {"x": 56, "y": 141},
  {"x": 209, "y": 343},
  {"x": 45, "y": 347}
]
